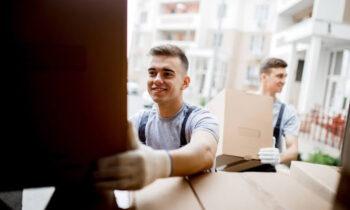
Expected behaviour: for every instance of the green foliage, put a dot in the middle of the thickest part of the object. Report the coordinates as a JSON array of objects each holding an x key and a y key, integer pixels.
[
  {"x": 202, "y": 101},
  {"x": 322, "y": 158}
]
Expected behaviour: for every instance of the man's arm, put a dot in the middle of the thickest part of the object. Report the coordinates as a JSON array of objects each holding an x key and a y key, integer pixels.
[
  {"x": 141, "y": 165},
  {"x": 196, "y": 156},
  {"x": 291, "y": 152}
]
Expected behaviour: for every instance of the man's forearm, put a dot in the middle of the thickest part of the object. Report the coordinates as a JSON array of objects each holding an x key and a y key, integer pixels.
[
  {"x": 292, "y": 150},
  {"x": 289, "y": 156},
  {"x": 197, "y": 156}
]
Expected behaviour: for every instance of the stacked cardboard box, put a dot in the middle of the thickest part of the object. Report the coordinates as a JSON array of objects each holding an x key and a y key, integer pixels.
[
  {"x": 245, "y": 127},
  {"x": 255, "y": 191},
  {"x": 231, "y": 190}
]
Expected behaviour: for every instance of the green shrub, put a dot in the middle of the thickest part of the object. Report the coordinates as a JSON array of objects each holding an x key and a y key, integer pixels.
[
  {"x": 202, "y": 101},
  {"x": 322, "y": 158}
]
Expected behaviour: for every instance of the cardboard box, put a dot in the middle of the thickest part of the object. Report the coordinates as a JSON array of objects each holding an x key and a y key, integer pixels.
[
  {"x": 170, "y": 193},
  {"x": 322, "y": 179},
  {"x": 261, "y": 191},
  {"x": 245, "y": 127}
]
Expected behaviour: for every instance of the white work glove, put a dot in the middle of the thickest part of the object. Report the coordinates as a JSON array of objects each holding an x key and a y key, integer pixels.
[
  {"x": 270, "y": 155},
  {"x": 132, "y": 169}
]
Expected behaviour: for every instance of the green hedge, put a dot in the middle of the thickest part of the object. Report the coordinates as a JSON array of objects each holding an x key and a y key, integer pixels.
[{"x": 320, "y": 157}]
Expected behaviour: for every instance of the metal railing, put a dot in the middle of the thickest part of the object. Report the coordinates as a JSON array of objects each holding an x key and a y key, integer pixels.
[{"x": 323, "y": 127}]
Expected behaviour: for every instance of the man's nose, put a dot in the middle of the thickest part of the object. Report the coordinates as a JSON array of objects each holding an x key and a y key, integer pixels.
[
  {"x": 158, "y": 78},
  {"x": 284, "y": 79}
]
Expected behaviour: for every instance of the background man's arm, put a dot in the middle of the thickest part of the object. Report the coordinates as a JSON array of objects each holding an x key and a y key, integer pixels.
[
  {"x": 291, "y": 152},
  {"x": 196, "y": 156}
]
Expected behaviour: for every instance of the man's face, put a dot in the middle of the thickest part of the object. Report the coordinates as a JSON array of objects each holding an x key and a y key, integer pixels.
[
  {"x": 275, "y": 80},
  {"x": 167, "y": 79}
]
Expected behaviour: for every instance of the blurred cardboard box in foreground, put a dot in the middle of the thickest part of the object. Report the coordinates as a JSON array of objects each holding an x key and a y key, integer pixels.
[
  {"x": 322, "y": 179},
  {"x": 231, "y": 190},
  {"x": 245, "y": 127},
  {"x": 255, "y": 190}
]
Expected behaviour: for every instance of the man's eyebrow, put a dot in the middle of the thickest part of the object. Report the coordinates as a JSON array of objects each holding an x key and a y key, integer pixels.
[
  {"x": 282, "y": 74},
  {"x": 168, "y": 70}
]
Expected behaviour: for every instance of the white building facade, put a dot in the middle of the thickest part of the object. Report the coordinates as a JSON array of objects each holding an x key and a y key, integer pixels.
[
  {"x": 313, "y": 36},
  {"x": 225, "y": 40}
]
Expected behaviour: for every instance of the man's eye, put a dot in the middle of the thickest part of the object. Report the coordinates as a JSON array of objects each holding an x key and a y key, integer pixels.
[
  {"x": 151, "y": 73},
  {"x": 168, "y": 74}
]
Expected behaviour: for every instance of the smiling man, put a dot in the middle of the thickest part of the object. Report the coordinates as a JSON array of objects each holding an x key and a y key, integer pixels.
[
  {"x": 174, "y": 138},
  {"x": 285, "y": 121}
]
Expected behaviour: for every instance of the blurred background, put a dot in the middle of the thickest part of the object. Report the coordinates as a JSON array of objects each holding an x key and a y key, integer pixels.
[{"x": 226, "y": 40}]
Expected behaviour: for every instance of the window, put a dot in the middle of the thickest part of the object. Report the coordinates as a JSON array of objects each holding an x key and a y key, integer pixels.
[
  {"x": 252, "y": 76},
  {"x": 217, "y": 39},
  {"x": 257, "y": 44},
  {"x": 261, "y": 14},
  {"x": 338, "y": 63},
  {"x": 330, "y": 63},
  {"x": 143, "y": 17},
  {"x": 222, "y": 10},
  {"x": 221, "y": 76},
  {"x": 201, "y": 64},
  {"x": 333, "y": 89},
  {"x": 180, "y": 35},
  {"x": 200, "y": 68},
  {"x": 300, "y": 68}
]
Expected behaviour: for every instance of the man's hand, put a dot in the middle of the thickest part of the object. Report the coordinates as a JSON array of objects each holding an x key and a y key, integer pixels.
[
  {"x": 269, "y": 155},
  {"x": 133, "y": 169}
]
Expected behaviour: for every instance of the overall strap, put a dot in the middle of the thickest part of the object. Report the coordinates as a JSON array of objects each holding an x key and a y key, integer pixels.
[
  {"x": 277, "y": 128},
  {"x": 142, "y": 127},
  {"x": 183, "y": 141}
]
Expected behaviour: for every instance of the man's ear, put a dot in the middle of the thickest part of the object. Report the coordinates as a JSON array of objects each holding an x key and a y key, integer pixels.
[{"x": 186, "y": 82}]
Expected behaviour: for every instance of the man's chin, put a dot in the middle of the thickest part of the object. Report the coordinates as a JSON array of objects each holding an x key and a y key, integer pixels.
[{"x": 157, "y": 99}]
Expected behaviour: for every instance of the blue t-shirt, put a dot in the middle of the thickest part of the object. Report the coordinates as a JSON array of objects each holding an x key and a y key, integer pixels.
[
  {"x": 290, "y": 122},
  {"x": 164, "y": 133}
]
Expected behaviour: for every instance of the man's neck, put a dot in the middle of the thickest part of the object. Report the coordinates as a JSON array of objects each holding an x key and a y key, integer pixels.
[
  {"x": 167, "y": 110},
  {"x": 265, "y": 92}
]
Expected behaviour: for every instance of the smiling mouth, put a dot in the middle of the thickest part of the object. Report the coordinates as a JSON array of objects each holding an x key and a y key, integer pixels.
[{"x": 158, "y": 89}]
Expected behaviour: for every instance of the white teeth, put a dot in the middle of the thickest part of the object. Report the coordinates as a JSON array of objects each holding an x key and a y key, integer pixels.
[{"x": 158, "y": 89}]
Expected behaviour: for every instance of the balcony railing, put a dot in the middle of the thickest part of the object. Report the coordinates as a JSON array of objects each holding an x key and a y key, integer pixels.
[
  {"x": 324, "y": 128},
  {"x": 309, "y": 27}
]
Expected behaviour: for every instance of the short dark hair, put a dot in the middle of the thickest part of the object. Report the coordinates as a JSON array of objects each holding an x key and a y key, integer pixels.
[
  {"x": 272, "y": 63},
  {"x": 170, "y": 50}
]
